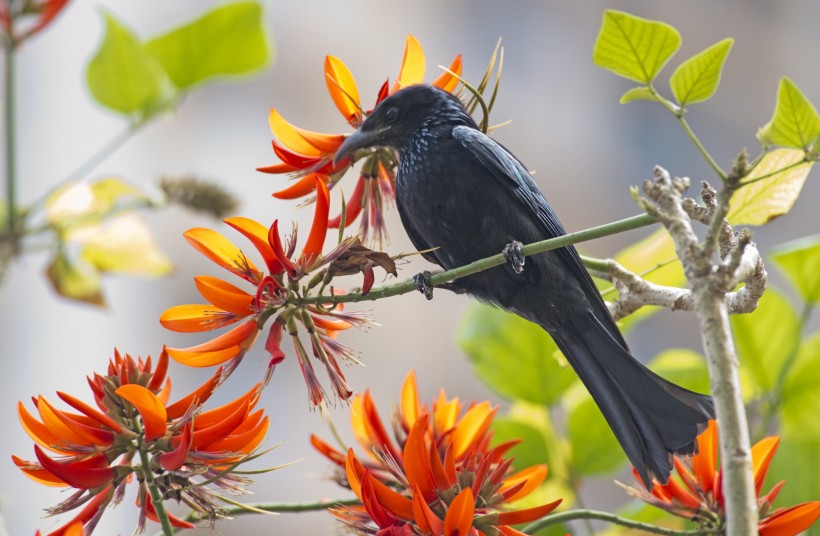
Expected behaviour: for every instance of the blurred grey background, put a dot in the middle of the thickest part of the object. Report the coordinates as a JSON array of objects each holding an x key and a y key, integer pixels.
[{"x": 567, "y": 125}]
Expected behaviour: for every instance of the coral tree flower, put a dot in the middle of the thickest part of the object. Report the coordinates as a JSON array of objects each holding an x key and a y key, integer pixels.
[
  {"x": 21, "y": 20},
  {"x": 309, "y": 155},
  {"x": 98, "y": 448},
  {"x": 698, "y": 494},
  {"x": 272, "y": 286},
  {"x": 437, "y": 476}
]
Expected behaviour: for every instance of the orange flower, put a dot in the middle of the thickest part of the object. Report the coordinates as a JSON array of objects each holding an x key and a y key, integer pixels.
[
  {"x": 273, "y": 286},
  {"x": 309, "y": 155},
  {"x": 19, "y": 20},
  {"x": 699, "y": 494},
  {"x": 97, "y": 446},
  {"x": 437, "y": 476}
]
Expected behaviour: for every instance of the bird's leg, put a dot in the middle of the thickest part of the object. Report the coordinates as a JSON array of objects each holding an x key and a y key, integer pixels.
[
  {"x": 423, "y": 284},
  {"x": 512, "y": 252}
]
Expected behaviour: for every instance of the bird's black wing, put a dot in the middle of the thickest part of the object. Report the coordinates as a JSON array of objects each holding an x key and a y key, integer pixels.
[{"x": 514, "y": 176}]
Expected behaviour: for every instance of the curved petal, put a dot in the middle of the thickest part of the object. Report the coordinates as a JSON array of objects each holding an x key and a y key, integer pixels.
[
  {"x": 79, "y": 474},
  {"x": 58, "y": 426},
  {"x": 412, "y": 65},
  {"x": 447, "y": 81},
  {"x": 353, "y": 207},
  {"x": 531, "y": 477},
  {"x": 173, "y": 460},
  {"x": 327, "y": 451},
  {"x": 527, "y": 515},
  {"x": 151, "y": 513},
  {"x": 342, "y": 88},
  {"x": 37, "y": 473},
  {"x": 704, "y": 463},
  {"x": 198, "y": 396},
  {"x": 258, "y": 235},
  {"x": 193, "y": 318},
  {"x": 39, "y": 432},
  {"x": 222, "y": 251},
  {"x": 472, "y": 427},
  {"x": 790, "y": 521},
  {"x": 762, "y": 454},
  {"x": 318, "y": 230},
  {"x": 203, "y": 437},
  {"x": 410, "y": 406},
  {"x": 304, "y": 186},
  {"x": 459, "y": 518},
  {"x": 417, "y": 466},
  {"x": 204, "y": 359},
  {"x": 241, "y": 335},
  {"x": 275, "y": 240},
  {"x": 302, "y": 141},
  {"x": 152, "y": 411},
  {"x": 426, "y": 519},
  {"x": 225, "y": 295},
  {"x": 445, "y": 413}
]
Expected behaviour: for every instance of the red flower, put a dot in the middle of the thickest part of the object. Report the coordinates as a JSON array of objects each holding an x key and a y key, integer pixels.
[
  {"x": 309, "y": 155},
  {"x": 97, "y": 446},
  {"x": 439, "y": 477},
  {"x": 21, "y": 20},
  {"x": 698, "y": 495},
  {"x": 270, "y": 298}
]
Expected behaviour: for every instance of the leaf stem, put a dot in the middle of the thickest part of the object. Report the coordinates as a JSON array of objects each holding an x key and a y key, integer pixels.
[
  {"x": 403, "y": 287},
  {"x": 156, "y": 497},
  {"x": 11, "y": 184},
  {"x": 572, "y": 515}
]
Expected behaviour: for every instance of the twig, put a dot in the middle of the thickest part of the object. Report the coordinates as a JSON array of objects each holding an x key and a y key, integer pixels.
[{"x": 572, "y": 515}]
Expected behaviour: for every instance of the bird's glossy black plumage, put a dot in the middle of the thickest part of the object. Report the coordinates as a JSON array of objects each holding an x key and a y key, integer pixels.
[{"x": 461, "y": 192}]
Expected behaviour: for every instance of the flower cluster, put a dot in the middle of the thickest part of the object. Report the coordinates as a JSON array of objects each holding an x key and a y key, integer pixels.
[
  {"x": 21, "y": 20},
  {"x": 277, "y": 294},
  {"x": 309, "y": 155},
  {"x": 440, "y": 476},
  {"x": 134, "y": 430},
  {"x": 698, "y": 495}
]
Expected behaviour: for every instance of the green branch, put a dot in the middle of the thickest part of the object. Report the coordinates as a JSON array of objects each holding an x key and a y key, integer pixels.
[
  {"x": 11, "y": 187},
  {"x": 404, "y": 287},
  {"x": 572, "y": 515},
  {"x": 156, "y": 496}
]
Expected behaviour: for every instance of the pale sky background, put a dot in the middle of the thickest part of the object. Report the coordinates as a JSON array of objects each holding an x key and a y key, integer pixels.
[{"x": 567, "y": 125}]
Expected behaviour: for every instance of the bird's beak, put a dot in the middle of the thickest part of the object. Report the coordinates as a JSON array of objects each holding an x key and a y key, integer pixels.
[{"x": 360, "y": 139}]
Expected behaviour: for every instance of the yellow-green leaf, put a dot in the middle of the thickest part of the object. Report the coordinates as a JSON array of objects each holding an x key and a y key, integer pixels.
[
  {"x": 594, "y": 447},
  {"x": 697, "y": 79},
  {"x": 800, "y": 261},
  {"x": 795, "y": 122},
  {"x": 88, "y": 202},
  {"x": 75, "y": 279},
  {"x": 228, "y": 41},
  {"x": 125, "y": 78},
  {"x": 638, "y": 93},
  {"x": 684, "y": 367},
  {"x": 770, "y": 189},
  {"x": 801, "y": 403},
  {"x": 633, "y": 47},
  {"x": 123, "y": 244}
]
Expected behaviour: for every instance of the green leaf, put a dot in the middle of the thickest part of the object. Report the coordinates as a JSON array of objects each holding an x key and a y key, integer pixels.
[
  {"x": 684, "y": 367},
  {"x": 84, "y": 202},
  {"x": 533, "y": 447},
  {"x": 770, "y": 189},
  {"x": 594, "y": 447},
  {"x": 230, "y": 40},
  {"x": 796, "y": 463},
  {"x": 75, "y": 279},
  {"x": 123, "y": 244},
  {"x": 799, "y": 260},
  {"x": 512, "y": 356},
  {"x": 795, "y": 122},
  {"x": 123, "y": 77},
  {"x": 697, "y": 79},
  {"x": 633, "y": 47},
  {"x": 801, "y": 403},
  {"x": 638, "y": 93},
  {"x": 765, "y": 338}
]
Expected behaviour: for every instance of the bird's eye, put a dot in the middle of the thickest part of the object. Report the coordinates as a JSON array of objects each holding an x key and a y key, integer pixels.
[{"x": 391, "y": 115}]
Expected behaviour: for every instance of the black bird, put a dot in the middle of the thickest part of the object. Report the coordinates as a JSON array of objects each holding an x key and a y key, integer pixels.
[{"x": 463, "y": 193}]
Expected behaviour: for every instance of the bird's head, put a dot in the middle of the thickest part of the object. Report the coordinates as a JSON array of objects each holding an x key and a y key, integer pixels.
[{"x": 400, "y": 116}]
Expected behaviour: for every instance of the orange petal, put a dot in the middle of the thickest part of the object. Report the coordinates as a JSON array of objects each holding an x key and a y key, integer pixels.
[
  {"x": 790, "y": 521},
  {"x": 159, "y": 374},
  {"x": 275, "y": 240},
  {"x": 394, "y": 502},
  {"x": 342, "y": 88},
  {"x": 244, "y": 441},
  {"x": 354, "y": 471},
  {"x": 205, "y": 436},
  {"x": 152, "y": 411},
  {"x": 198, "y": 396},
  {"x": 762, "y": 454},
  {"x": 83, "y": 474},
  {"x": 39, "y": 432},
  {"x": 472, "y": 427},
  {"x": 410, "y": 406},
  {"x": 38, "y": 474},
  {"x": 447, "y": 81},
  {"x": 318, "y": 231},
  {"x": 217, "y": 415},
  {"x": 174, "y": 459},
  {"x": 353, "y": 207},
  {"x": 704, "y": 463},
  {"x": 225, "y": 295},
  {"x": 459, "y": 518},
  {"x": 258, "y": 235},
  {"x": 221, "y": 251},
  {"x": 57, "y": 425},
  {"x": 238, "y": 336},
  {"x": 151, "y": 513},
  {"x": 304, "y": 186},
  {"x": 327, "y": 451},
  {"x": 445, "y": 413},
  {"x": 194, "y": 318},
  {"x": 417, "y": 465},
  {"x": 426, "y": 519},
  {"x": 204, "y": 359},
  {"x": 527, "y": 515},
  {"x": 302, "y": 141},
  {"x": 412, "y": 65},
  {"x": 531, "y": 476}
]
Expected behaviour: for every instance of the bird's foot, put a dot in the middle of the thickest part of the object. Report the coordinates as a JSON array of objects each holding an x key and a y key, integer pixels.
[
  {"x": 512, "y": 252},
  {"x": 423, "y": 284}
]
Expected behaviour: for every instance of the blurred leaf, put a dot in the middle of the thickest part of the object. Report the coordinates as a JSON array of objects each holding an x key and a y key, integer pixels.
[
  {"x": 760, "y": 201},
  {"x": 533, "y": 447},
  {"x": 801, "y": 392},
  {"x": 800, "y": 261},
  {"x": 123, "y": 244},
  {"x": 230, "y": 40},
  {"x": 125, "y": 78},
  {"x": 796, "y": 463},
  {"x": 75, "y": 279},
  {"x": 89, "y": 202},
  {"x": 512, "y": 356},
  {"x": 633, "y": 47},
  {"x": 684, "y": 367},
  {"x": 766, "y": 337},
  {"x": 638, "y": 93},
  {"x": 697, "y": 79},
  {"x": 795, "y": 122},
  {"x": 594, "y": 447}
]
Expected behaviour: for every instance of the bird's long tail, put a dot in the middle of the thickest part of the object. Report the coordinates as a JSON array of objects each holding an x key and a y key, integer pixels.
[{"x": 652, "y": 418}]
